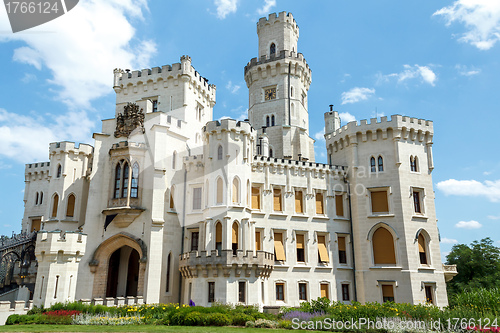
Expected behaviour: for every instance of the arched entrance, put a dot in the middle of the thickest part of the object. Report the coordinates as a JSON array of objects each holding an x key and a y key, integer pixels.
[
  {"x": 123, "y": 273},
  {"x": 119, "y": 265}
]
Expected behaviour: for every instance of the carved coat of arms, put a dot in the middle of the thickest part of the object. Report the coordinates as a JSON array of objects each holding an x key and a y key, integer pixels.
[{"x": 131, "y": 118}]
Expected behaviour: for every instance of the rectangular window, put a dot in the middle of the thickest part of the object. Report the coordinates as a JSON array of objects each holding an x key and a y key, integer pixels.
[
  {"x": 277, "y": 205},
  {"x": 155, "y": 105},
  {"x": 280, "y": 291},
  {"x": 342, "y": 250},
  {"x": 279, "y": 250},
  {"x": 211, "y": 292},
  {"x": 196, "y": 198},
  {"x": 241, "y": 292},
  {"x": 255, "y": 198},
  {"x": 299, "y": 239},
  {"x": 429, "y": 295},
  {"x": 257, "y": 241},
  {"x": 35, "y": 224},
  {"x": 302, "y": 291},
  {"x": 195, "y": 235},
  {"x": 380, "y": 203},
  {"x": 298, "y": 202},
  {"x": 324, "y": 290},
  {"x": 345, "y": 292},
  {"x": 416, "y": 202},
  {"x": 339, "y": 204},
  {"x": 322, "y": 252},
  {"x": 387, "y": 293},
  {"x": 319, "y": 204}
]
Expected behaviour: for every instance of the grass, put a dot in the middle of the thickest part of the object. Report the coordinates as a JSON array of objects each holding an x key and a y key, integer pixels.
[{"x": 135, "y": 328}]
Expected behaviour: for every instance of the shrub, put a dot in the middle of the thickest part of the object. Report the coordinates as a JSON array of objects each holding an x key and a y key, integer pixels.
[
  {"x": 240, "y": 319},
  {"x": 219, "y": 319},
  {"x": 12, "y": 319},
  {"x": 264, "y": 323},
  {"x": 195, "y": 319}
]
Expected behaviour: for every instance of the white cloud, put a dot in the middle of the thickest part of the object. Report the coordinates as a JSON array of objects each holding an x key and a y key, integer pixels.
[
  {"x": 26, "y": 138},
  {"x": 492, "y": 217},
  {"x": 356, "y": 94},
  {"x": 320, "y": 136},
  {"x": 468, "y": 225},
  {"x": 465, "y": 71},
  {"x": 268, "y": 4},
  {"x": 488, "y": 189},
  {"x": 481, "y": 19},
  {"x": 448, "y": 241},
  {"x": 346, "y": 117},
  {"x": 225, "y": 7},
  {"x": 82, "y": 47},
  {"x": 411, "y": 72},
  {"x": 27, "y": 78},
  {"x": 233, "y": 88}
]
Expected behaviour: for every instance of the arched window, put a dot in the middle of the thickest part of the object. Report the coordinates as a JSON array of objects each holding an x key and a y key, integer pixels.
[
  {"x": 59, "y": 171},
  {"x": 172, "y": 205},
  {"x": 167, "y": 289},
  {"x": 272, "y": 49},
  {"x": 174, "y": 157},
  {"x": 218, "y": 238},
  {"x": 36, "y": 199},
  {"x": 55, "y": 205},
  {"x": 272, "y": 120},
  {"x": 383, "y": 247},
  {"x": 372, "y": 164},
  {"x": 134, "y": 188},
  {"x": 219, "y": 152},
  {"x": 220, "y": 189},
  {"x": 380, "y": 164},
  {"x": 291, "y": 91},
  {"x": 126, "y": 171},
  {"x": 236, "y": 190},
  {"x": 70, "y": 209},
  {"x": 270, "y": 152},
  {"x": 413, "y": 164},
  {"x": 422, "y": 249},
  {"x": 267, "y": 121},
  {"x": 41, "y": 198},
  {"x": 118, "y": 177},
  {"x": 235, "y": 235}
]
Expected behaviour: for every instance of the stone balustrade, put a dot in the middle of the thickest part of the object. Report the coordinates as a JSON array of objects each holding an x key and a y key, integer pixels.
[{"x": 450, "y": 271}]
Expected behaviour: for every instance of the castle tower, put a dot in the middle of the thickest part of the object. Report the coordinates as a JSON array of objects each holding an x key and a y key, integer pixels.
[
  {"x": 58, "y": 255},
  {"x": 278, "y": 83},
  {"x": 395, "y": 234}
]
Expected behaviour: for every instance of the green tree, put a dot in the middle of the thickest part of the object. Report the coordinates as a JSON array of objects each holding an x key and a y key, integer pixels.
[{"x": 478, "y": 265}]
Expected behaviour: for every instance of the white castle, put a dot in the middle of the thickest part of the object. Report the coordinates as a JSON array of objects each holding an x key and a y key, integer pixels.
[{"x": 170, "y": 205}]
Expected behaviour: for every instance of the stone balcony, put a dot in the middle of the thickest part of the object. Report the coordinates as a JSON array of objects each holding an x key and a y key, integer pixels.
[
  {"x": 449, "y": 272},
  {"x": 205, "y": 264}
]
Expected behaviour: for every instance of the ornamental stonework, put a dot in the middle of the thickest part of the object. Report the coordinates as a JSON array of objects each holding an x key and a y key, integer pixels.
[{"x": 131, "y": 118}]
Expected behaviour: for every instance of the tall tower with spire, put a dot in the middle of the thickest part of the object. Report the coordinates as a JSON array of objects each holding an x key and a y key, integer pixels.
[{"x": 278, "y": 81}]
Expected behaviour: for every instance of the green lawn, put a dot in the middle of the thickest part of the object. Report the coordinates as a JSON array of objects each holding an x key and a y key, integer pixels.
[{"x": 134, "y": 328}]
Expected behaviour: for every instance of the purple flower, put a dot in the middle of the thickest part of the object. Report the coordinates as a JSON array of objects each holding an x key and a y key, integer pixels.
[
  {"x": 302, "y": 316},
  {"x": 191, "y": 303}
]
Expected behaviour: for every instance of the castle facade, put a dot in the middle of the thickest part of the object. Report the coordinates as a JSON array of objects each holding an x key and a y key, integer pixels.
[{"x": 169, "y": 205}]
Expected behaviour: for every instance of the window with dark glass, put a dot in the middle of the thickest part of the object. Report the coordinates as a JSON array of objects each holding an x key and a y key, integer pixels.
[
  {"x": 272, "y": 120},
  {"x": 372, "y": 164},
  {"x": 280, "y": 291},
  {"x": 267, "y": 121},
  {"x": 416, "y": 202},
  {"x": 299, "y": 239},
  {"x": 126, "y": 171},
  {"x": 342, "y": 250},
  {"x": 241, "y": 292},
  {"x": 195, "y": 235},
  {"x": 387, "y": 293},
  {"x": 302, "y": 291},
  {"x": 118, "y": 178},
  {"x": 272, "y": 49},
  {"x": 167, "y": 289},
  {"x": 155, "y": 105},
  {"x": 219, "y": 153},
  {"x": 59, "y": 171},
  {"x": 211, "y": 292},
  {"x": 345, "y": 292},
  {"x": 380, "y": 163},
  {"x": 429, "y": 295}
]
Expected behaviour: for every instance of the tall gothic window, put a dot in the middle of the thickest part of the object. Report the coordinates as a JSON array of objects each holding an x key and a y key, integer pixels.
[
  {"x": 59, "y": 171},
  {"x": 272, "y": 49},
  {"x": 118, "y": 175},
  {"x": 267, "y": 121},
  {"x": 55, "y": 205},
  {"x": 272, "y": 120},
  {"x": 126, "y": 172},
  {"x": 134, "y": 188},
  {"x": 70, "y": 209},
  {"x": 380, "y": 163},
  {"x": 219, "y": 153},
  {"x": 372, "y": 164}
]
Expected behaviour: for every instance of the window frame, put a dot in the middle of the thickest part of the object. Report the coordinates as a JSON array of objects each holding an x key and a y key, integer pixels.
[
  {"x": 283, "y": 244},
  {"x": 344, "y": 256},
  {"x": 421, "y": 200},
  {"x": 345, "y": 286},
  {"x": 341, "y": 206},
  {"x": 281, "y": 284},
  {"x": 211, "y": 292},
  {"x": 302, "y": 201},
  {"x": 326, "y": 243},
  {"x": 197, "y": 197},
  {"x": 303, "y": 294},
  {"x": 386, "y": 189},
  {"x": 194, "y": 242},
  {"x": 278, "y": 188},
  {"x": 322, "y": 203},
  {"x": 393, "y": 285},
  {"x": 394, "y": 242},
  {"x": 303, "y": 235},
  {"x": 242, "y": 292},
  {"x": 259, "y": 196}
]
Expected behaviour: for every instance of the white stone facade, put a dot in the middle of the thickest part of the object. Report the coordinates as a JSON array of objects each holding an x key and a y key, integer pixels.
[{"x": 180, "y": 207}]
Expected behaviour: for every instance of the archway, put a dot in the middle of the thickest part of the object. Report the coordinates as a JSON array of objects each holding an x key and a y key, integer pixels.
[{"x": 119, "y": 265}]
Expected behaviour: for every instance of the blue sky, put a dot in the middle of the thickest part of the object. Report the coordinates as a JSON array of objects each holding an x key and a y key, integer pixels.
[{"x": 436, "y": 60}]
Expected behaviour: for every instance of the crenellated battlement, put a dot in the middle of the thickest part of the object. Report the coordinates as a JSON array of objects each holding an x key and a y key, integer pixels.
[
  {"x": 37, "y": 168},
  {"x": 49, "y": 243},
  {"x": 298, "y": 58},
  {"x": 228, "y": 125},
  {"x": 400, "y": 125},
  {"x": 183, "y": 71},
  {"x": 281, "y": 17},
  {"x": 261, "y": 161},
  {"x": 128, "y": 144},
  {"x": 67, "y": 147}
]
